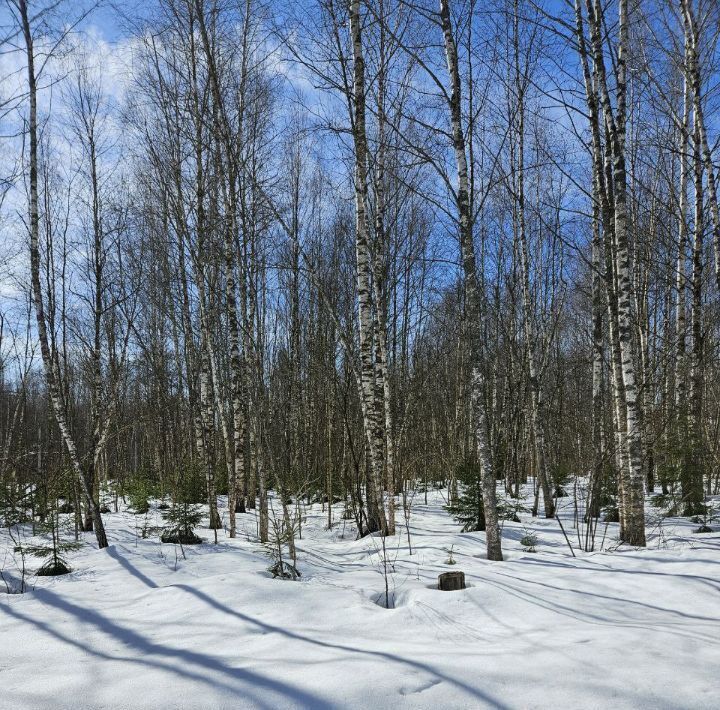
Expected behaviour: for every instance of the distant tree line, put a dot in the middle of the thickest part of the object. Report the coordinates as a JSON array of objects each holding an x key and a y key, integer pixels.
[{"x": 344, "y": 251}]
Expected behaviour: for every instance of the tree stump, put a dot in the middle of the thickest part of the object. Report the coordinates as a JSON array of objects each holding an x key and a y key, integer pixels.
[{"x": 451, "y": 581}]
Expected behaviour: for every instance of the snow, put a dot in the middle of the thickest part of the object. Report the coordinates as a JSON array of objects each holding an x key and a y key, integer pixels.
[{"x": 139, "y": 626}]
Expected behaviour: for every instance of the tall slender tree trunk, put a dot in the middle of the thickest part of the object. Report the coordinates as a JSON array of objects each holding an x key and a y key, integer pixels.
[
  {"x": 50, "y": 359},
  {"x": 536, "y": 423},
  {"x": 383, "y": 395},
  {"x": 693, "y": 471},
  {"x": 680, "y": 419},
  {"x": 373, "y": 425},
  {"x": 472, "y": 293},
  {"x": 631, "y": 484},
  {"x": 693, "y": 69},
  {"x": 598, "y": 464}
]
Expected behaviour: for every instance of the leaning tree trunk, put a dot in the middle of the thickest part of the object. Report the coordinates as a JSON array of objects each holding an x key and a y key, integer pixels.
[{"x": 49, "y": 358}]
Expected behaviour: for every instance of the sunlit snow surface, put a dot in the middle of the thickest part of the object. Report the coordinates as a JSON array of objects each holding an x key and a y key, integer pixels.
[{"x": 138, "y": 626}]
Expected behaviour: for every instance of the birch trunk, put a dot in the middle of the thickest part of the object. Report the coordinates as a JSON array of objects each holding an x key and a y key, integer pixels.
[
  {"x": 528, "y": 316},
  {"x": 692, "y": 477},
  {"x": 597, "y": 372},
  {"x": 635, "y": 529},
  {"x": 472, "y": 295},
  {"x": 236, "y": 464},
  {"x": 693, "y": 68},
  {"x": 680, "y": 393},
  {"x": 49, "y": 358},
  {"x": 373, "y": 425},
  {"x": 631, "y": 479},
  {"x": 384, "y": 395}
]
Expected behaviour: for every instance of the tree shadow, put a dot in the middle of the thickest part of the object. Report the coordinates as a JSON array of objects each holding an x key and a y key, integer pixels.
[
  {"x": 711, "y": 582},
  {"x": 247, "y": 684},
  {"x": 578, "y": 613},
  {"x": 266, "y": 627},
  {"x": 134, "y": 571},
  {"x": 417, "y": 665}
]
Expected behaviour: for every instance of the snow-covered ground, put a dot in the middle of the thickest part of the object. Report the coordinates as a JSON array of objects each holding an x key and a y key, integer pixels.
[{"x": 137, "y": 626}]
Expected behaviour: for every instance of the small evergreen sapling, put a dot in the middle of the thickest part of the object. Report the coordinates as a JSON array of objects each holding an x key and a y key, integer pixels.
[
  {"x": 53, "y": 551},
  {"x": 708, "y": 514},
  {"x": 468, "y": 508},
  {"x": 282, "y": 534},
  {"x": 529, "y": 541},
  {"x": 182, "y": 519},
  {"x": 138, "y": 498},
  {"x": 140, "y": 490},
  {"x": 450, "y": 560},
  {"x": 185, "y": 514}
]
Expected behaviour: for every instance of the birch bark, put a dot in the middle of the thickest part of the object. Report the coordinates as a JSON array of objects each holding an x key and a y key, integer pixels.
[
  {"x": 50, "y": 359},
  {"x": 472, "y": 294},
  {"x": 372, "y": 423}
]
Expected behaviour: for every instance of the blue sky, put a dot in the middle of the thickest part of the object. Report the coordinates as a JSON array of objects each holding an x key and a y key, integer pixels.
[{"x": 108, "y": 17}]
